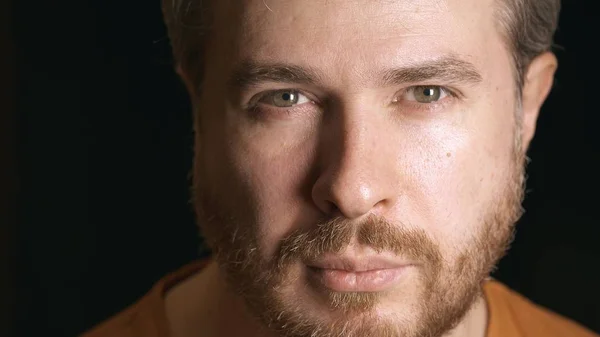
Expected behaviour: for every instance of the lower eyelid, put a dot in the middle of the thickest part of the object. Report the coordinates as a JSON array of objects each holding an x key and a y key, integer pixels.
[{"x": 270, "y": 111}]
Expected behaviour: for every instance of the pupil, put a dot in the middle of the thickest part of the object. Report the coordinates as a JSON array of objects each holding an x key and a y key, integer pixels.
[
  {"x": 429, "y": 92},
  {"x": 286, "y": 97}
]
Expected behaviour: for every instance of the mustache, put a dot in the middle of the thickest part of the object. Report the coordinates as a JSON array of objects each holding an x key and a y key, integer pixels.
[{"x": 335, "y": 235}]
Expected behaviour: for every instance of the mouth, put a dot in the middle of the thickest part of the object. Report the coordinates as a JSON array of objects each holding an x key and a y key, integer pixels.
[{"x": 354, "y": 274}]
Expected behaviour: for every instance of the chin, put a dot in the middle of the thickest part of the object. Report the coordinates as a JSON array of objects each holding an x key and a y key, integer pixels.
[
  {"x": 296, "y": 307},
  {"x": 299, "y": 309}
]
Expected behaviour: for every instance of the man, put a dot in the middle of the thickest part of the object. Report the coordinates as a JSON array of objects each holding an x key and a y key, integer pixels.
[{"x": 359, "y": 168}]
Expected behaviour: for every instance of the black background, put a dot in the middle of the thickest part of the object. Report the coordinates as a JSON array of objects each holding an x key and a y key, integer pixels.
[{"x": 104, "y": 147}]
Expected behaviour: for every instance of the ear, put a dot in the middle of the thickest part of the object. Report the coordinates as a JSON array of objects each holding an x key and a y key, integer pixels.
[
  {"x": 185, "y": 78},
  {"x": 192, "y": 93},
  {"x": 536, "y": 87}
]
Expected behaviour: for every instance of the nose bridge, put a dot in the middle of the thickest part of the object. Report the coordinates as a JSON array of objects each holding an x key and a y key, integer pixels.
[
  {"x": 352, "y": 180},
  {"x": 356, "y": 148}
]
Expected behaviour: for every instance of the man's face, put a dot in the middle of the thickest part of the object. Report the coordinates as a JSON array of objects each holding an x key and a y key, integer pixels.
[{"x": 358, "y": 167}]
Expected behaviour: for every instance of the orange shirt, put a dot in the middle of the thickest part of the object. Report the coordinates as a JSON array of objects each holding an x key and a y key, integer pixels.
[{"x": 510, "y": 314}]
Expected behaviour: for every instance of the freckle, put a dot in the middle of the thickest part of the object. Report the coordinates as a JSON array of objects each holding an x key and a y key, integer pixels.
[{"x": 448, "y": 155}]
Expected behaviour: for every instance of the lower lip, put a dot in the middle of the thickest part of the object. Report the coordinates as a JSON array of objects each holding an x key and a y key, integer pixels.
[{"x": 364, "y": 281}]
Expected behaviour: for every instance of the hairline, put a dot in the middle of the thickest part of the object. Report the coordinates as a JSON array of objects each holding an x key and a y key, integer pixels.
[{"x": 192, "y": 66}]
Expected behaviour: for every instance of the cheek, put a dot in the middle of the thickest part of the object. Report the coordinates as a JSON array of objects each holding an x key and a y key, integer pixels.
[
  {"x": 274, "y": 171},
  {"x": 456, "y": 176},
  {"x": 438, "y": 177}
]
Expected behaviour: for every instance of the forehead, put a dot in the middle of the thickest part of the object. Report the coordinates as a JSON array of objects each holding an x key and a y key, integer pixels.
[{"x": 356, "y": 36}]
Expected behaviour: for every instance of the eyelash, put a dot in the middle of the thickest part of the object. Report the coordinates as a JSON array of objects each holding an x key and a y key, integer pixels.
[
  {"x": 427, "y": 107},
  {"x": 254, "y": 104}
]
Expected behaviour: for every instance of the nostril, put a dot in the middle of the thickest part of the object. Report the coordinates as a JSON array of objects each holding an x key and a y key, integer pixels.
[{"x": 333, "y": 209}]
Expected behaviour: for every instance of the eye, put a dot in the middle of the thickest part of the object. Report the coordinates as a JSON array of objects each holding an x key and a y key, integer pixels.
[
  {"x": 284, "y": 98},
  {"x": 425, "y": 94}
]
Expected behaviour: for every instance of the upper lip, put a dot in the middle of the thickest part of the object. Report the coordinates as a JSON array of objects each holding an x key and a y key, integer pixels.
[{"x": 356, "y": 263}]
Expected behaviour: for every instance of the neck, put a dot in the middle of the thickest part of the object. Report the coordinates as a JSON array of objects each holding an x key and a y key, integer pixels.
[
  {"x": 475, "y": 322},
  {"x": 203, "y": 306}
]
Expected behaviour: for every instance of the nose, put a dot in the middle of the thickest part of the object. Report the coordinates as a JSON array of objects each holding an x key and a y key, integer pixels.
[{"x": 356, "y": 175}]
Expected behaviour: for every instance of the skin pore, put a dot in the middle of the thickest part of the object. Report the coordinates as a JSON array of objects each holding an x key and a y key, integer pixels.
[{"x": 362, "y": 129}]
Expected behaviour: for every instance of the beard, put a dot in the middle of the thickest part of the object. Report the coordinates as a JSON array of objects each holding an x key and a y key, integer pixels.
[{"x": 446, "y": 289}]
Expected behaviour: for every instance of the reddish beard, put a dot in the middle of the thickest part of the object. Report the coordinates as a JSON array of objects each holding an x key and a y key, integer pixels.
[{"x": 447, "y": 291}]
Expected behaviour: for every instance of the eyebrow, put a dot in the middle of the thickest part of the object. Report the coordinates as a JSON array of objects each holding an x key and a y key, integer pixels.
[
  {"x": 449, "y": 69},
  {"x": 252, "y": 73}
]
